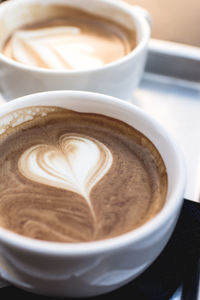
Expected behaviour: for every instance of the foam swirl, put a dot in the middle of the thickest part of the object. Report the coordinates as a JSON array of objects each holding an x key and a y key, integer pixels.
[{"x": 76, "y": 164}]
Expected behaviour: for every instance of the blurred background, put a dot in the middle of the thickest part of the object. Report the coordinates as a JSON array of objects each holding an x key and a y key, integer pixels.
[{"x": 174, "y": 20}]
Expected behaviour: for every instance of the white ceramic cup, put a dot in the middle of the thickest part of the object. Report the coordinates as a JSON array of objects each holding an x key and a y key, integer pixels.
[
  {"x": 93, "y": 268},
  {"x": 117, "y": 79}
]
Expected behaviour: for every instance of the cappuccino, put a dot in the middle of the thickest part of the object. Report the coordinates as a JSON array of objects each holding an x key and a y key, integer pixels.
[
  {"x": 72, "y": 177},
  {"x": 72, "y": 39}
]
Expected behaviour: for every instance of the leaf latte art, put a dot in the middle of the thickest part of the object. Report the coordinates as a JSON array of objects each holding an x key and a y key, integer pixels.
[
  {"x": 70, "y": 39},
  {"x": 76, "y": 165}
]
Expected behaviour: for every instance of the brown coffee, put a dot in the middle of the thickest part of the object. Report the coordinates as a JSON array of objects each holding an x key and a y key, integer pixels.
[
  {"x": 76, "y": 177},
  {"x": 72, "y": 39}
]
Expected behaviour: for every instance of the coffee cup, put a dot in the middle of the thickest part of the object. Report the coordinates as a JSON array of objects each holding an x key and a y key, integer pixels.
[
  {"x": 109, "y": 60},
  {"x": 81, "y": 268}
]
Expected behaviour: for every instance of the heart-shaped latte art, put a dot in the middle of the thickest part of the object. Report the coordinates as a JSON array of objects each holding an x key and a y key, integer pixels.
[{"x": 76, "y": 164}]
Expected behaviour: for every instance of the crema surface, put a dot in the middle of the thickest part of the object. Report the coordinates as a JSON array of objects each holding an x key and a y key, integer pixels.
[
  {"x": 77, "y": 41},
  {"x": 75, "y": 177}
]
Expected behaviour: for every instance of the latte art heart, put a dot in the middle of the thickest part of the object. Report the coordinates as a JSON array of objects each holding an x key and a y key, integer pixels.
[{"x": 76, "y": 164}]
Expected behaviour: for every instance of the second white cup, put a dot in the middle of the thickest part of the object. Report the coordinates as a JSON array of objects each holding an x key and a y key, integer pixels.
[{"x": 118, "y": 78}]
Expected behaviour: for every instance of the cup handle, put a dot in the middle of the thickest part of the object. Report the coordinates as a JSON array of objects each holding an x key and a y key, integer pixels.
[{"x": 143, "y": 13}]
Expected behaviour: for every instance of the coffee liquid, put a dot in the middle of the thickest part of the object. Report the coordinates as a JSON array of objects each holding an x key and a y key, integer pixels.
[
  {"x": 76, "y": 177},
  {"x": 75, "y": 40}
]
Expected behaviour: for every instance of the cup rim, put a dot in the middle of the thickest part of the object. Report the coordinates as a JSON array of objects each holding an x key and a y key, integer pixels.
[
  {"x": 115, "y": 243},
  {"x": 122, "y": 5}
]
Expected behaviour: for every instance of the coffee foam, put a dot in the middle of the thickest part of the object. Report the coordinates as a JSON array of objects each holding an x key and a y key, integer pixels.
[
  {"x": 21, "y": 116},
  {"x": 78, "y": 41},
  {"x": 76, "y": 177}
]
